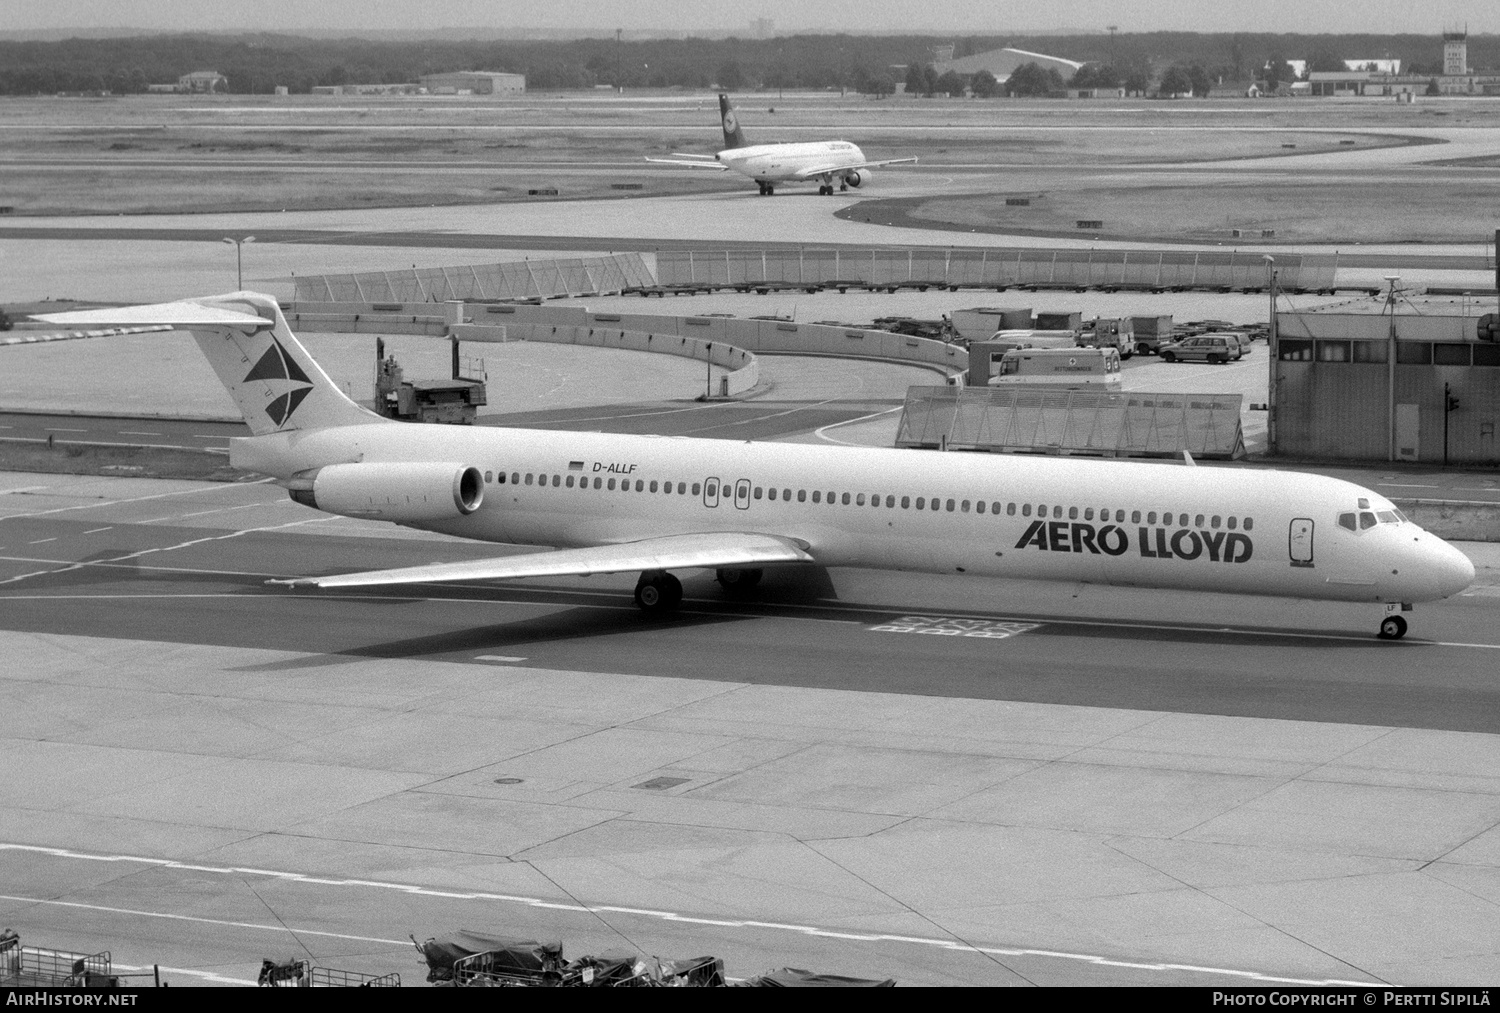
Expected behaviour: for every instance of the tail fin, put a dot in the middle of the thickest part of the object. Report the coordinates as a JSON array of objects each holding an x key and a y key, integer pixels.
[
  {"x": 274, "y": 382},
  {"x": 734, "y": 137}
]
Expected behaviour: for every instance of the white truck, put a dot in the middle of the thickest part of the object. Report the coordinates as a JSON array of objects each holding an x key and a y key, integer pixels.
[{"x": 1091, "y": 368}]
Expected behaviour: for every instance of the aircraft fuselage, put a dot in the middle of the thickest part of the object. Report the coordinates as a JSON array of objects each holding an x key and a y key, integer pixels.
[{"x": 1237, "y": 530}]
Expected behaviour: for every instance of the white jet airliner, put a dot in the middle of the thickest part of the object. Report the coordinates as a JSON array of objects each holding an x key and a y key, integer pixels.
[
  {"x": 828, "y": 162},
  {"x": 615, "y": 503}
]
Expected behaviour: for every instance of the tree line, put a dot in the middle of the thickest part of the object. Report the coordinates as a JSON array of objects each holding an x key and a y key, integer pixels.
[{"x": 258, "y": 63}]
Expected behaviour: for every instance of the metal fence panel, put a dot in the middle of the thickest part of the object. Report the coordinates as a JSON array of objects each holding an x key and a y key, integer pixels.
[{"x": 1020, "y": 418}]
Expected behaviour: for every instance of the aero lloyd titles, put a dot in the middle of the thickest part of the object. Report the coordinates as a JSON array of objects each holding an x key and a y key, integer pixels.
[{"x": 1152, "y": 543}]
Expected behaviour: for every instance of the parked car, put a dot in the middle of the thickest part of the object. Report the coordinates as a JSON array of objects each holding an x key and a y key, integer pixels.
[{"x": 1217, "y": 348}]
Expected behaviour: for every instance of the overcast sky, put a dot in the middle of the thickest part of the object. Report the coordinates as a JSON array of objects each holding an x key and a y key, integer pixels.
[{"x": 990, "y": 17}]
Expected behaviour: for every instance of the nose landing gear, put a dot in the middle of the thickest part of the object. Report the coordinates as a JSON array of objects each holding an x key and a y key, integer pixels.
[{"x": 1393, "y": 626}]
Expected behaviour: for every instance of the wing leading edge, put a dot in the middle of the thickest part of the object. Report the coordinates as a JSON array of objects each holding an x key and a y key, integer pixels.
[
  {"x": 715, "y": 550},
  {"x": 691, "y": 162},
  {"x": 819, "y": 170}
]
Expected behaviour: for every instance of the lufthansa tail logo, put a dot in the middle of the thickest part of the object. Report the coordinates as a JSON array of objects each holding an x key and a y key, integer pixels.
[
  {"x": 730, "y": 126},
  {"x": 280, "y": 370}
]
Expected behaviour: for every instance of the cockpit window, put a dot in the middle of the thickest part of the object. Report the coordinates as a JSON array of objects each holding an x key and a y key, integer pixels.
[
  {"x": 1387, "y": 516},
  {"x": 1347, "y": 521},
  {"x": 1364, "y": 504},
  {"x": 1367, "y": 520}
]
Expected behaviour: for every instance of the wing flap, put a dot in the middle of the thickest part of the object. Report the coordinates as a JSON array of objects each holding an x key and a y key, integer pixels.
[
  {"x": 720, "y": 166},
  {"x": 174, "y": 314},
  {"x": 673, "y": 552}
]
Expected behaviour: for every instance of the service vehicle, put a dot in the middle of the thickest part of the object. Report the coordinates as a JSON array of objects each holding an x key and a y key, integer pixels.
[
  {"x": 1216, "y": 348},
  {"x": 1109, "y": 333},
  {"x": 1071, "y": 367}
]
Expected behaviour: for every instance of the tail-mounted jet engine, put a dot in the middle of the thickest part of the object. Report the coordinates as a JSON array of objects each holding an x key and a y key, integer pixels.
[{"x": 404, "y": 492}]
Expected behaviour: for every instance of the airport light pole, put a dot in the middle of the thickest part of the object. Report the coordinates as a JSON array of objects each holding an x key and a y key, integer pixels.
[
  {"x": 1390, "y": 371},
  {"x": 1273, "y": 352},
  {"x": 239, "y": 263}
]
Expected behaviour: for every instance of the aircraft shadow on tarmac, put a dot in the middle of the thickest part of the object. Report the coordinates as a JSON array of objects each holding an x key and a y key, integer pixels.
[{"x": 568, "y": 624}]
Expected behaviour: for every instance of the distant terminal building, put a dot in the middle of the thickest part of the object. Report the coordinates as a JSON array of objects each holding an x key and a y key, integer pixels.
[
  {"x": 474, "y": 82},
  {"x": 1353, "y": 382},
  {"x": 199, "y": 82},
  {"x": 367, "y": 89},
  {"x": 1002, "y": 63}
]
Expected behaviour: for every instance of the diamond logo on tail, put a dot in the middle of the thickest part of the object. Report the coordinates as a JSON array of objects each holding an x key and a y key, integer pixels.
[{"x": 276, "y": 368}]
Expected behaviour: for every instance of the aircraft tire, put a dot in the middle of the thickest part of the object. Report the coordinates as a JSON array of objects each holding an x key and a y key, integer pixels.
[
  {"x": 1392, "y": 628},
  {"x": 738, "y": 583},
  {"x": 658, "y": 593}
]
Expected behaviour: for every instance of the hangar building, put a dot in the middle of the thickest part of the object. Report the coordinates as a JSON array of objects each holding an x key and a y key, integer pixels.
[
  {"x": 474, "y": 82},
  {"x": 1356, "y": 382}
]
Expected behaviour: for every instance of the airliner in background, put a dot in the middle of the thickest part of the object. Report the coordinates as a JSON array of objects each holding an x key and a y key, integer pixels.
[
  {"x": 613, "y": 503},
  {"x": 827, "y": 162}
]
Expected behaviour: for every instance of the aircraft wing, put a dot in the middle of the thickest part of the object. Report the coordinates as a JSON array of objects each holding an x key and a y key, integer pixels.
[
  {"x": 818, "y": 170},
  {"x": 176, "y": 314},
  {"x": 691, "y": 162},
  {"x": 712, "y": 550}
]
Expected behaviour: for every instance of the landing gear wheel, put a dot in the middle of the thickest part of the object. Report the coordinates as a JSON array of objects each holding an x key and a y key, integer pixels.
[
  {"x": 738, "y": 582},
  {"x": 765, "y": 191},
  {"x": 843, "y": 187},
  {"x": 658, "y": 593},
  {"x": 1392, "y": 628}
]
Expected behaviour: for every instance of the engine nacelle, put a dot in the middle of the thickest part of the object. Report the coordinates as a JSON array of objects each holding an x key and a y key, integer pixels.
[
  {"x": 858, "y": 177},
  {"x": 404, "y": 492}
]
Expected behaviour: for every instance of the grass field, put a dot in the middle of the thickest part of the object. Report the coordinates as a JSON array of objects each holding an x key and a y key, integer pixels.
[{"x": 145, "y": 154}]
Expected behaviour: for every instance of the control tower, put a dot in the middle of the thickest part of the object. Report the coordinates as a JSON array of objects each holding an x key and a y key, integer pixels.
[{"x": 1455, "y": 52}]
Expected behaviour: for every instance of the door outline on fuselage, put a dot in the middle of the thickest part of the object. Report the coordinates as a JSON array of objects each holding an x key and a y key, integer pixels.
[
  {"x": 742, "y": 494},
  {"x": 711, "y": 492},
  {"x": 1299, "y": 538}
]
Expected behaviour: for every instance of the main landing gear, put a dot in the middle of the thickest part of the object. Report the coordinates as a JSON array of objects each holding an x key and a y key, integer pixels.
[
  {"x": 1393, "y": 626},
  {"x": 767, "y": 190},
  {"x": 738, "y": 583},
  {"x": 658, "y": 593}
]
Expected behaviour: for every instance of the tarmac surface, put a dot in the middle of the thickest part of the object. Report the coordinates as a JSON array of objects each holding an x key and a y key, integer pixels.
[
  {"x": 1065, "y": 785},
  {"x": 945, "y": 781}
]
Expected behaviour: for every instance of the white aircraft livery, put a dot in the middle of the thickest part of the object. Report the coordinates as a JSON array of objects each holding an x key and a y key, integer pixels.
[
  {"x": 613, "y": 503},
  {"x": 827, "y": 162}
]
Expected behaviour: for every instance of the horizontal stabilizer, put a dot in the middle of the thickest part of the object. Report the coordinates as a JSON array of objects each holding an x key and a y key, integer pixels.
[
  {"x": 712, "y": 550},
  {"x": 175, "y": 314}
]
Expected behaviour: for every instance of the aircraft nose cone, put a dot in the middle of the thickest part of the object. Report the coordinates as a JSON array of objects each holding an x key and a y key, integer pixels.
[{"x": 1456, "y": 569}]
